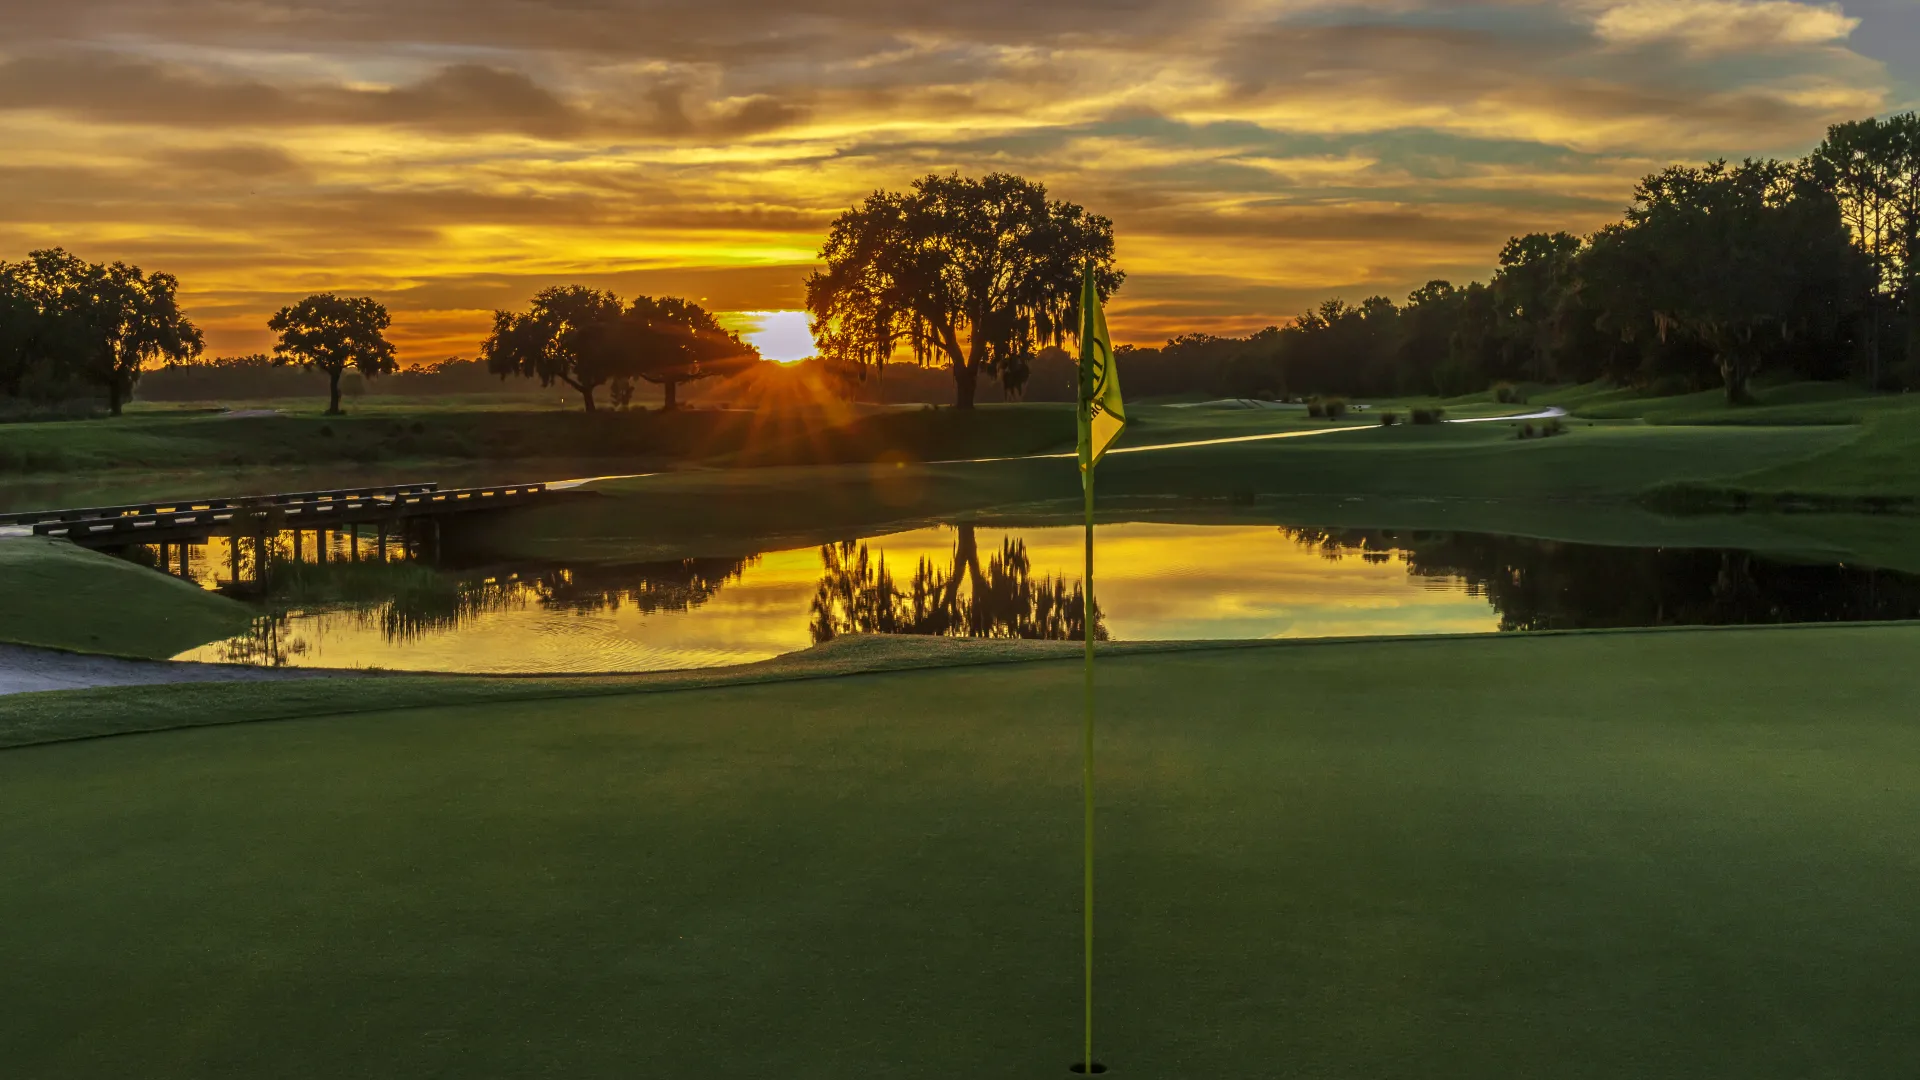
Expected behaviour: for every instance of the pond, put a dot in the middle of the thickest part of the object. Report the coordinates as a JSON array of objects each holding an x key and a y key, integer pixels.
[{"x": 1155, "y": 581}]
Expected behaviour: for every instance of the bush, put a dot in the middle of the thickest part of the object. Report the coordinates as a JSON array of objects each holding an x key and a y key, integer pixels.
[
  {"x": 1526, "y": 431},
  {"x": 1335, "y": 408},
  {"x": 1553, "y": 427},
  {"x": 1431, "y": 415},
  {"x": 1389, "y": 418},
  {"x": 1316, "y": 408},
  {"x": 1505, "y": 393}
]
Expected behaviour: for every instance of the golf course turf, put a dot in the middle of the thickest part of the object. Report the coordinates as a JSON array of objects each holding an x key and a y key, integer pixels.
[{"x": 1585, "y": 855}]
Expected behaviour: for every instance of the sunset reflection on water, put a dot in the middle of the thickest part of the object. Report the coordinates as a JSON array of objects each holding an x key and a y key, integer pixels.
[{"x": 1154, "y": 581}]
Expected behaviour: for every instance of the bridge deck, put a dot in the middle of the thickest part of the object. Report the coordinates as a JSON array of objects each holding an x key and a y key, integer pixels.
[
  {"x": 154, "y": 523},
  {"x": 86, "y": 513}
]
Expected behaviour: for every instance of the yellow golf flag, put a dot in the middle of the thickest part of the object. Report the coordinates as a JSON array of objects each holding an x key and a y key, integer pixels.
[{"x": 1102, "y": 413}]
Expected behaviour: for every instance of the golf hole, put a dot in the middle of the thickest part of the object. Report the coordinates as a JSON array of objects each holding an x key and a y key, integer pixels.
[{"x": 1081, "y": 1067}]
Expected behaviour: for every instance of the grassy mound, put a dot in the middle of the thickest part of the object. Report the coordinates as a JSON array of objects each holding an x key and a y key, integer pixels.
[
  {"x": 63, "y": 596},
  {"x": 1591, "y": 855}
]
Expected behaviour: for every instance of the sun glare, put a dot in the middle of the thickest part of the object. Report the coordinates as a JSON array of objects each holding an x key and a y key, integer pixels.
[{"x": 782, "y": 336}]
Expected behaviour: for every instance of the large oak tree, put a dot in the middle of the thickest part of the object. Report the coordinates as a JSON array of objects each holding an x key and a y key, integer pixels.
[
  {"x": 1739, "y": 258},
  {"x": 668, "y": 341},
  {"x": 554, "y": 339},
  {"x": 977, "y": 275},
  {"x": 587, "y": 338},
  {"x": 330, "y": 333},
  {"x": 100, "y": 323}
]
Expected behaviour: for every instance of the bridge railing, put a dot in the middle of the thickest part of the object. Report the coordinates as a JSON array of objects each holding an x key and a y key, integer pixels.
[
  {"x": 301, "y": 510},
  {"x": 189, "y": 506}
]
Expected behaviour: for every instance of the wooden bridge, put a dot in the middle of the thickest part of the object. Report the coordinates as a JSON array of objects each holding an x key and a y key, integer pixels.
[{"x": 398, "y": 509}]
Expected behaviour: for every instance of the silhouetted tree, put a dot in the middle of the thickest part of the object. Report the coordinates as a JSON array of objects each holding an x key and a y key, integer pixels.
[
  {"x": 1529, "y": 290},
  {"x": 1739, "y": 258},
  {"x": 975, "y": 274},
  {"x": 330, "y": 333},
  {"x": 1427, "y": 323},
  {"x": 20, "y": 325},
  {"x": 554, "y": 340},
  {"x": 103, "y": 323},
  {"x": 1859, "y": 165},
  {"x": 667, "y": 341}
]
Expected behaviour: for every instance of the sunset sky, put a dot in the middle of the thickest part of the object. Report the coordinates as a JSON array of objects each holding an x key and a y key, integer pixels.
[{"x": 453, "y": 156}]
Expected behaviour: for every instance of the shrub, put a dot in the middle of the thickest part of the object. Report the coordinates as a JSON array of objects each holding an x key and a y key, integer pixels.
[
  {"x": 1508, "y": 394},
  {"x": 1553, "y": 427},
  {"x": 1526, "y": 431},
  {"x": 1389, "y": 418},
  {"x": 1335, "y": 408},
  {"x": 1316, "y": 408},
  {"x": 1431, "y": 415}
]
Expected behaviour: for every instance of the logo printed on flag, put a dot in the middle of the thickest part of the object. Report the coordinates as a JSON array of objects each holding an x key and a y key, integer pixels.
[{"x": 1102, "y": 413}]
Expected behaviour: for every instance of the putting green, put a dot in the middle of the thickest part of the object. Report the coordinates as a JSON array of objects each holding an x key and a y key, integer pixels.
[{"x": 1636, "y": 854}]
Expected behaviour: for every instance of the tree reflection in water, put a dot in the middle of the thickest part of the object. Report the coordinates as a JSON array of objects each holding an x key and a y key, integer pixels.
[
  {"x": 419, "y": 605},
  {"x": 1549, "y": 585},
  {"x": 1003, "y": 599}
]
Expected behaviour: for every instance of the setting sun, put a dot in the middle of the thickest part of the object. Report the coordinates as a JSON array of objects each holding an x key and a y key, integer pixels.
[{"x": 782, "y": 336}]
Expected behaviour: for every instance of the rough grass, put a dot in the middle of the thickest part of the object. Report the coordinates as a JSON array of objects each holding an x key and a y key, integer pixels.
[
  {"x": 1668, "y": 854},
  {"x": 59, "y": 595}
]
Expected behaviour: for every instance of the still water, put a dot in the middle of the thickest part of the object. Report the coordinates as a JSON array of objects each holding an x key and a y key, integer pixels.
[{"x": 1156, "y": 581}]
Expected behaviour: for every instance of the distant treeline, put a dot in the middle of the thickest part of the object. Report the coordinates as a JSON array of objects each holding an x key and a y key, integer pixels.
[
  {"x": 1716, "y": 274},
  {"x": 259, "y": 376}
]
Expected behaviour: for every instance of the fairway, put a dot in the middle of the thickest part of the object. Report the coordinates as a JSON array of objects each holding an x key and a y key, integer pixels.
[{"x": 1589, "y": 855}]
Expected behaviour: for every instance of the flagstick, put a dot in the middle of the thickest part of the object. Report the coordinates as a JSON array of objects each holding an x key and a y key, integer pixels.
[{"x": 1086, "y": 777}]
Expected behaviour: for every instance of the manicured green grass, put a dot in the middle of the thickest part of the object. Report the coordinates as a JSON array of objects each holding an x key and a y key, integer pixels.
[
  {"x": 1652, "y": 854},
  {"x": 55, "y": 594},
  {"x": 413, "y": 435},
  {"x": 1883, "y": 459}
]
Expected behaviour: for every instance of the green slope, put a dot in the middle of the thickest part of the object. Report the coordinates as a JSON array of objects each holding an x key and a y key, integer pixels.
[{"x": 63, "y": 596}]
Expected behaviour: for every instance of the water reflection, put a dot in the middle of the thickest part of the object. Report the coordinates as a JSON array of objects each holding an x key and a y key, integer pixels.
[
  {"x": 1547, "y": 585},
  {"x": 404, "y": 603},
  {"x": 1157, "y": 581},
  {"x": 957, "y": 598}
]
